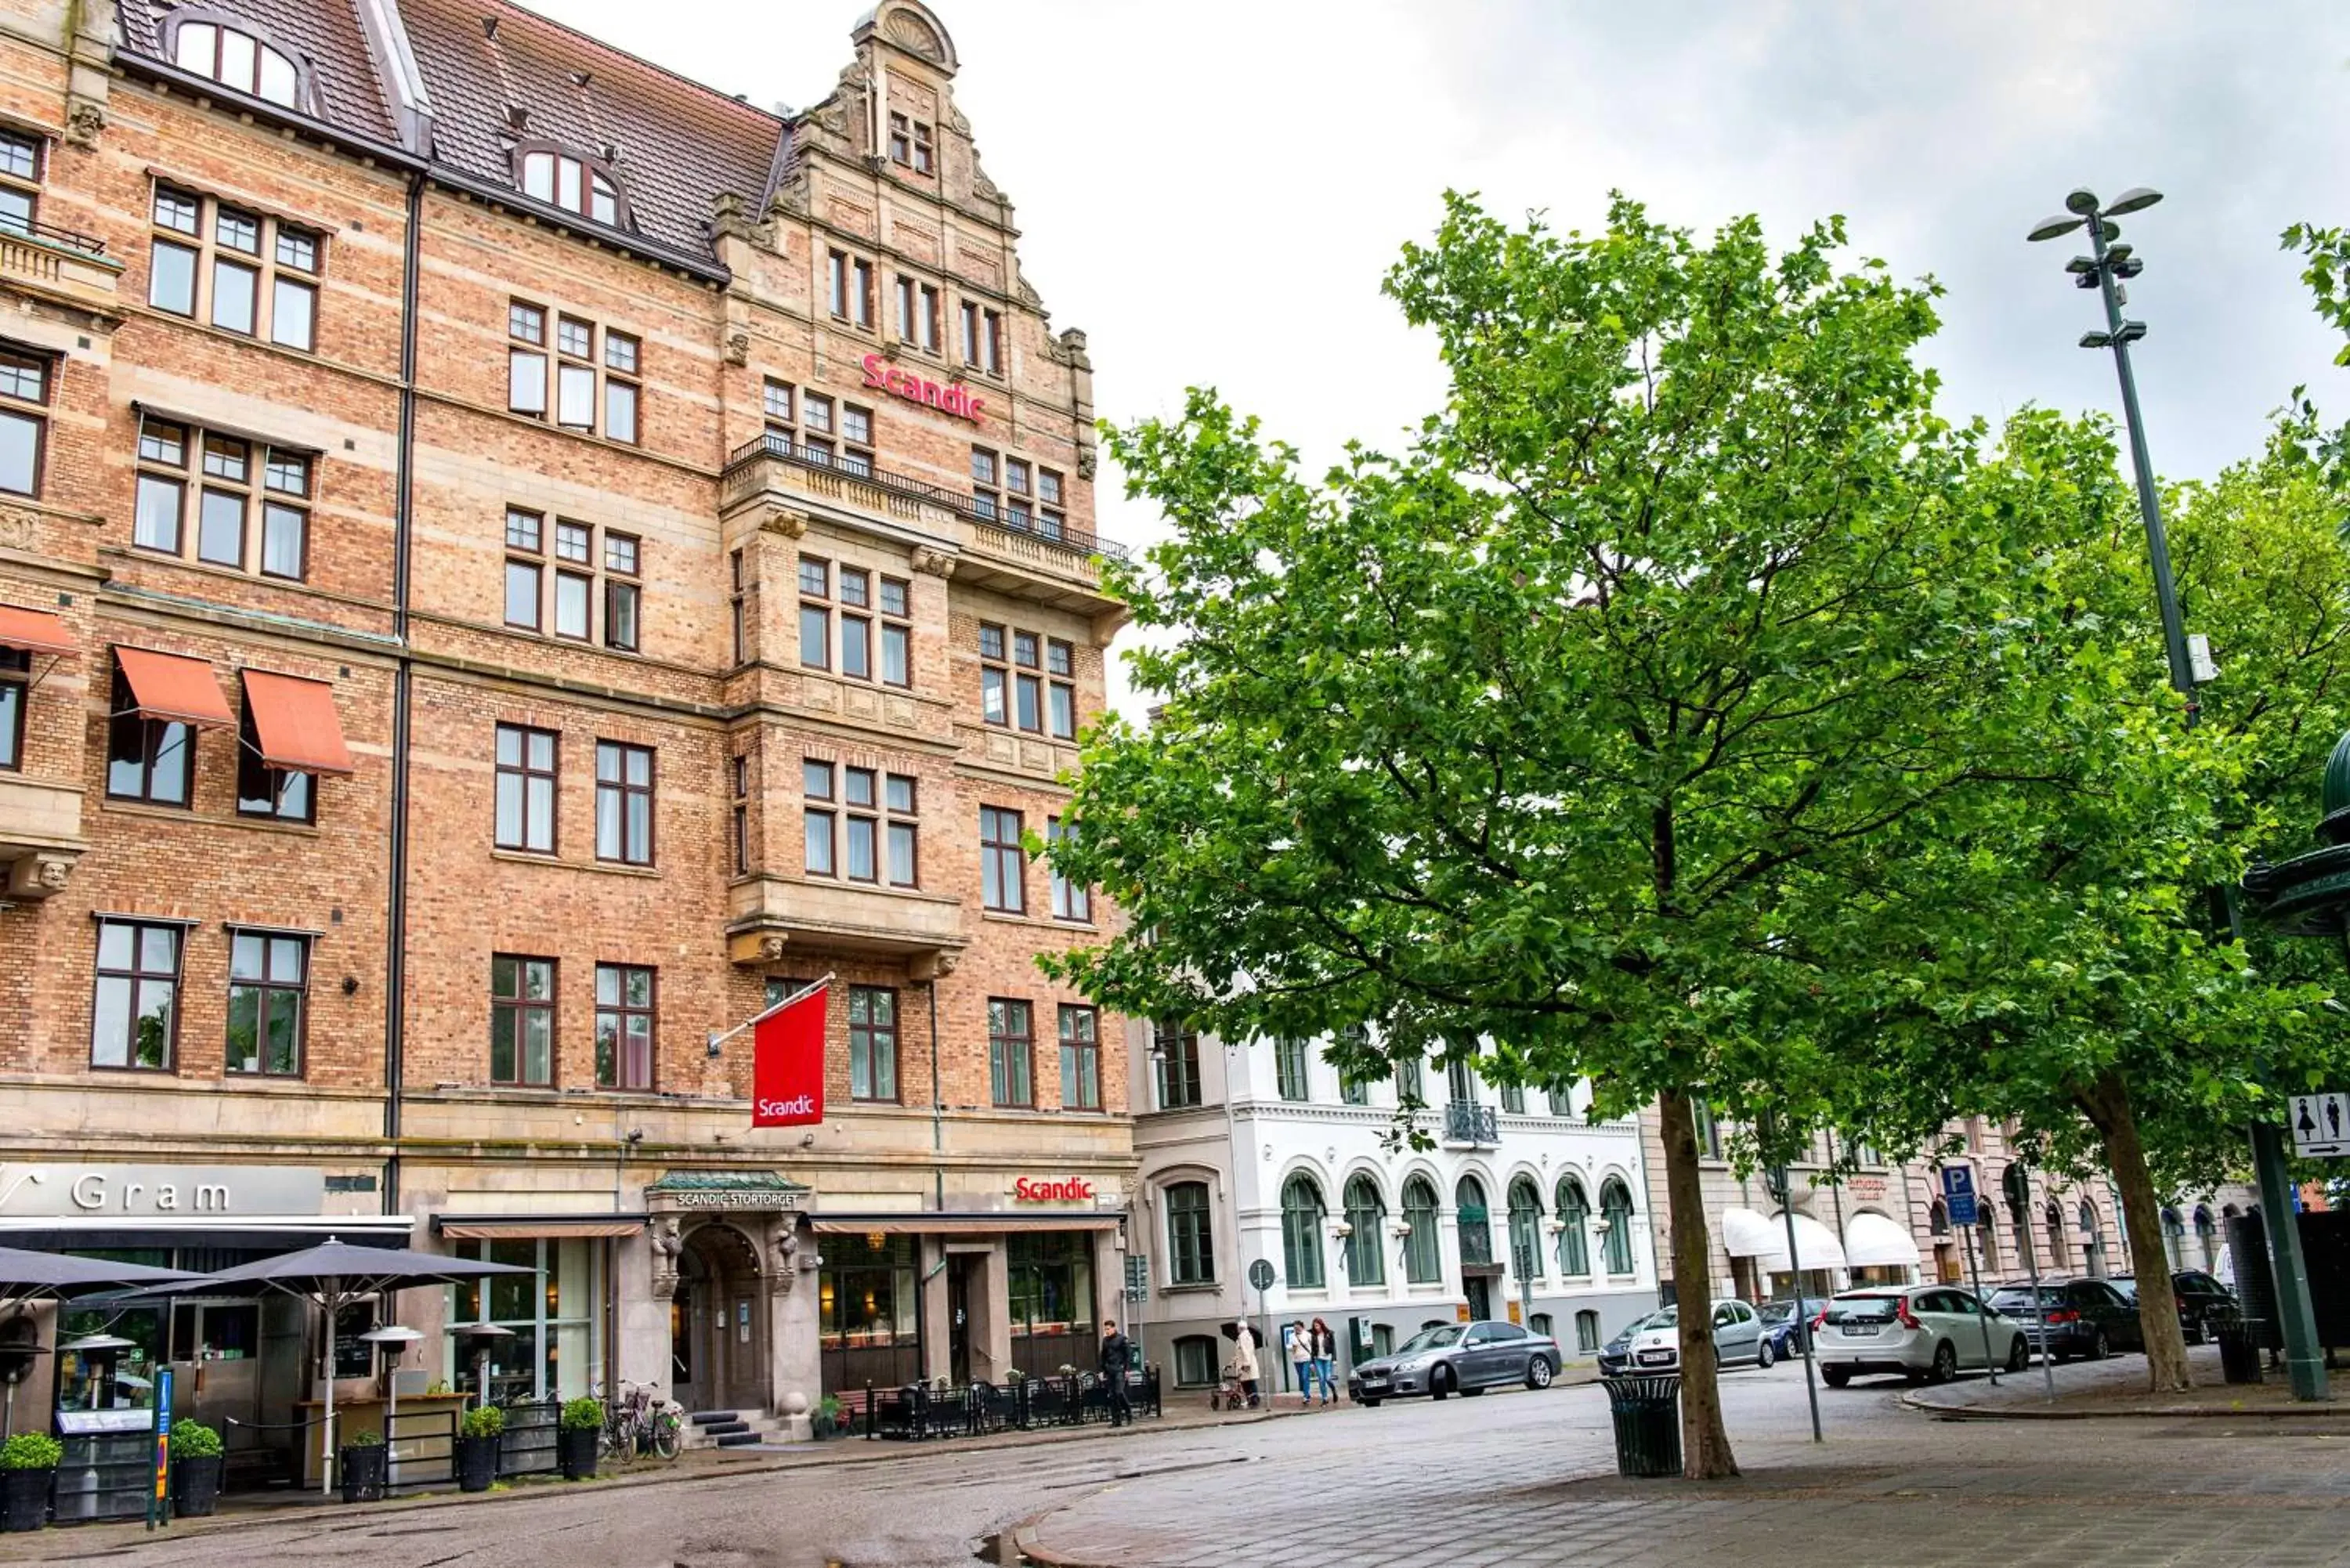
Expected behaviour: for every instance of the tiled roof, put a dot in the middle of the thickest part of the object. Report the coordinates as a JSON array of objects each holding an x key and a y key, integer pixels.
[
  {"x": 679, "y": 143},
  {"x": 327, "y": 32}
]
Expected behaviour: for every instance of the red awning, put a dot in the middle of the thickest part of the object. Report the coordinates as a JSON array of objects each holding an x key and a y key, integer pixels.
[
  {"x": 35, "y": 631},
  {"x": 174, "y": 688},
  {"x": 294, "y": 723}
]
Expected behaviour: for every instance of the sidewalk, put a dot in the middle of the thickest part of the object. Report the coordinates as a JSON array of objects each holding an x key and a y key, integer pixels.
[{"x": 2116, "y": 1389}]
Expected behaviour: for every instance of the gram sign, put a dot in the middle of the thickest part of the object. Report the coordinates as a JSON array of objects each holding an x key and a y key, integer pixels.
[
  {"x": 2321, "y": 1125},
  {"x": 1959, "y": 1194}
]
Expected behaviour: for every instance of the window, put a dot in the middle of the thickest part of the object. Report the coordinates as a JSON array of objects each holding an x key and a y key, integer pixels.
[
  {"x": 983, "y": 338},
  {"x": 243, "y": 493},
  {"x": 1190, "y": 1238},
  {"x": 581, "y": 185},
  {"x": 1196, "y": 1365},
  {"x": 15, "y": 665},
  {"x": 1002, "y": 861},
  {"x": 1709, "y": 1131},
  {"x": 1615, "y": 1209},
  {"x": 1423, "y": 1262},
  {"x": 1175, "y": 1064},
  {"x": 1061, "y": 712},
  {"x": 236, "y": 59},
  {"x": 910, "y": 143},
  {"x": 902, "y": 831},
  {"x": 871, "y": 837},
  {"x": 135, "y": 1021},
  {"x": 525, "y": 789},
  {"x": 21, "y": 159},
  {"x": 872, "y": 1043},
  {"x": 1011, "y": 1047},
  {"x": 624, "y": 1026},
  {"x": 524, "y": 575},
  {"x": 1574, "y": 1236},
  {"x": 24, "y": 419},
  {"x": 857, "y": 440},
  {"x": 1301, "y": 1233},
  {"x": 223, "y": 272},
  {"x": 1051, "y": 521},
  {"x": 857, "y": 605},
  {"x": 1410, "y": 1087},
  {"x": 740, "y": 772},
  {"x": 896, "y": 632},
  {"x": 918, "y": 313},
  {"x": 622, "y": 594},
  {"x": 1289, "y": 1068},
  {"x": 1071, "y": 900},
  {"x": 1586, "y": 1333},
  {"x": 576, "y": 580},
  {"x": 855, "y": 623},
  {"x": 268, "y": 978},
  {"x": 624, "y": 803},
  {"x": 1525, "y": 1228},
  {"x": 151, "y": 759},
  {"x": 815, "y": 614},
  {"x": 1008, "y": 489},
  {"x": 1018, "y": 672},
  {"x": 1473, "y": 1222},
  {"x": 1080, "y": 1060},
  {"x": 1514, "y": 1098},
  {"x": 527, "y": 358},
  {"x": 817, "y": 823},
  {"x": 522, "y": 1020},
  {"x": 284, "y": 794},
  {"x": 1366, "y": 1220},
  {"x": 1459, "y": 1083},
  {"x": 851, "y": 291}
]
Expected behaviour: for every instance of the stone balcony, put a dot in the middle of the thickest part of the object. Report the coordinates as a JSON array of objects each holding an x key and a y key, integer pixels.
[
  {"x": 60, "y": 264},
  {"x": 40, "y": 836},
  {"x": 773, "y": 919},
  {"x": 1061, "y": 568}
]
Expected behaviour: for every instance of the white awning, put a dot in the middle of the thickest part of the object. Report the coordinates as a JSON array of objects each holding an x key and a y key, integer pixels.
[
  {"x": 1874, "y": 1241},
  {"x": 1746, "y": 1234}
]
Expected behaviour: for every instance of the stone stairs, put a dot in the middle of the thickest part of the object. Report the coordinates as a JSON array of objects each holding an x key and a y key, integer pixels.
[{"x": 733, "y": 1430}]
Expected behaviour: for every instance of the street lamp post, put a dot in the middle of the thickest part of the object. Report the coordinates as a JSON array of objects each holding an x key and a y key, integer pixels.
[{"x": 2107, "y": 268}]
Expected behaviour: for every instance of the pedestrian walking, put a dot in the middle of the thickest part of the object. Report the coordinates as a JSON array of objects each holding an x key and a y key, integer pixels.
[
  {"x": 1244, "y": 1345},
  {"x": 1117, "y": 1359},
  {"x": 1301, "y": 1360},
  {"x": 1326, "y": 1358}
]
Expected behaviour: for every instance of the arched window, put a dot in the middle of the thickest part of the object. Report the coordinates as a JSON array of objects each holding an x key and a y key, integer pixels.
[
  {"x": 1475, "y": 1223},
  {"x": 1987, "y": 1225},
  {"x": 2207, "y": 1236},
  {"x": 1586, "y": 1333},
  {"x": 1574, "y": 1233},
  {"x": 1422, "y": 1261},
  {"x": 2174, "y": 1237},
  {"x": 1195, "y": 1362},
  {"x": 1367, "y": 1213},
  {"x": 1300, "y": 1232},
  {"x": 1616, "y": 1208},
  {"x": 2018, "y": 1187},
  {"x": 2053, "y": 1218},
  {"x": 1525, "y": 1230},
  {"x": 2091, "y": 1232},
  {"x": 236, "y": 58},
  {"x": 1938, "y": 1218},
  {"x": 577, "y": 184},
  {"x": 1190, "y": 1238}
]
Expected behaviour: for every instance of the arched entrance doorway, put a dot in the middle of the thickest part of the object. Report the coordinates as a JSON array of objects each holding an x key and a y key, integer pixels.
[{"x": 718, "y": 1322}]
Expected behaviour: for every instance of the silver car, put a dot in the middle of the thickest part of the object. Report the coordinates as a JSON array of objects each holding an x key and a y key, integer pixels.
[
  {"x": 1653, "y": 1343},
  {"x": 1457, "y": 1358}
]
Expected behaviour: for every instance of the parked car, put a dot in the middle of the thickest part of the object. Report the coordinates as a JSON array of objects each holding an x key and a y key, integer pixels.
[
  {"x": 2087, "y": 1318},
  {"x": 2200, "y": 1298},
  {"x": 1653, "y": 1343},
  {"x": 1926, "y": 1332},
  {"x": 1457, "y": 1358},
  {"x": 1786, "y": 1323}
]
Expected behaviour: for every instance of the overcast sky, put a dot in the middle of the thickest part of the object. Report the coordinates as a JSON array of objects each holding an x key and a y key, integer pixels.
[{"x": 1212, "y": 189}]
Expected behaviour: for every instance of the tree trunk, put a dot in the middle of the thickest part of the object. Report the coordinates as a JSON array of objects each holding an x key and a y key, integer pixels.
[
  {"x": 1705, "y": 1442},
  {"x": 2107, "y": 1102}
]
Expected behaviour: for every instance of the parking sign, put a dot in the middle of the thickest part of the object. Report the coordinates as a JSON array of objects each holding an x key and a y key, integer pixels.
[{"x": 1959, "y": 1194}]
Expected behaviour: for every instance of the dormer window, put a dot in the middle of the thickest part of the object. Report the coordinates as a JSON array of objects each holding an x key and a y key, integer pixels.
[
  {"x": 236, "y": 59},
  {"x": 575, "y": 184}
]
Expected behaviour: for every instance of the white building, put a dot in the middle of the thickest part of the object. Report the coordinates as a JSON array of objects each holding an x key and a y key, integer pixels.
[{"x": 1521, "y": 1208}]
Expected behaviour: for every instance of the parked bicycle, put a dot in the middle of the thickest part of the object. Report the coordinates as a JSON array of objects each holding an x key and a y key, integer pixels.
[{"x": 642, "y": 1422}]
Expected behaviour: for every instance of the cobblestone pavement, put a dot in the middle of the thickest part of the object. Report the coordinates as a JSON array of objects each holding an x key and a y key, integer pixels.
[{"x": 1514, "y": 1478}]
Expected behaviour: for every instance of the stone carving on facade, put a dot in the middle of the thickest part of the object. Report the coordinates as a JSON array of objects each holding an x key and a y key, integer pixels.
[
  {"x": 911, "y": 33},
  {"x": 934, "y": 562},
  {"x": 729, "y": 216},
  {"x": 667, "y": 1243},
  {"x": 772, "y": 947},
  {"x": 788, "y": 521},
  {"x": 738, "y": 348},
  {"x": 84, "y": 121},
  {"x": 54, "y": 871},
  {"x": 982, "y": 186},
  {"x": 18, "y": 529},
  {"x": 785, "y": 1242},
  {"x": 1087, "y": 461},
  {"x": 1068, "y": 348}
]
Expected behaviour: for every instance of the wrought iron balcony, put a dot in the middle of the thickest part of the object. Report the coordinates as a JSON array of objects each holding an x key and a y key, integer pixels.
[{"x": 1467, "y": 1122}]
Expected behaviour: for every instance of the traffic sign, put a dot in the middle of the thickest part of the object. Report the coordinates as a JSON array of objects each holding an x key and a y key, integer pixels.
[
  {"x": 1959, "y": 1194},
  {"x": 1260, "y": 1275},
  {"x": 2321, "y": 1125}
]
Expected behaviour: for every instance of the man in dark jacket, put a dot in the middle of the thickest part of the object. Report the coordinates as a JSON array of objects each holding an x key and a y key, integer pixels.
[{"x": 1117, "y": 1356}]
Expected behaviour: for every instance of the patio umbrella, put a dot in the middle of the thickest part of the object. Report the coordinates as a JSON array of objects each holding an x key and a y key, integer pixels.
[
  {"x": 332, "y": 1274},
  {"x": 31, "y": 1276}
]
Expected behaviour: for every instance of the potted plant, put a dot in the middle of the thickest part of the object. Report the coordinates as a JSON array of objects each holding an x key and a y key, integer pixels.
[
  {"x": 361, "y": 1463},
  {"x": 477, "y": 1448},
  {"x": 575, "y": 1432},
  {"x": 196, "y": 1464},
  {"x": 829, "y": 1421},
  {"x": 28, "y": 1468}
]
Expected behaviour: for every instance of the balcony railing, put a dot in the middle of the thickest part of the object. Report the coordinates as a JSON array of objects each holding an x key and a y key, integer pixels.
[
  {"x": 73, "y": 240},
  {"x": 1465, "y": 1121},
  {"x": 1075, "y": 541}
]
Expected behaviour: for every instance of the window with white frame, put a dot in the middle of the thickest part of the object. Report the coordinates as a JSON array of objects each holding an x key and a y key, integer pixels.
[
  {"x": 236, "y": 59},
  {"x": 590, "y": 383},
  {"x": 241, "y": 271}
]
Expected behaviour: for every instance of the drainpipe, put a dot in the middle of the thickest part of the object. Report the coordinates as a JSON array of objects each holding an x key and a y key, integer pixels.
[{"x": 403, "y": 536}]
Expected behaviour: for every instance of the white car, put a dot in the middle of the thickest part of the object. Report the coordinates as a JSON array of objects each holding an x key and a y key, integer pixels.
[
  {"x": 1926, "y": 1332},
  {"x": 1653, "y": 1343}
]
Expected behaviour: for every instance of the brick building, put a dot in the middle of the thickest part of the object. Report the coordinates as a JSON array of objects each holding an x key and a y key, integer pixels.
[{"x": 509, "y": 560}]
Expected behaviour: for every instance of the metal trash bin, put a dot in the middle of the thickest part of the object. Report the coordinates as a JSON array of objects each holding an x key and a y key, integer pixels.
[
  {"x": 1647, "y": 1412},
  {"x": 2239, "y": 1347}
]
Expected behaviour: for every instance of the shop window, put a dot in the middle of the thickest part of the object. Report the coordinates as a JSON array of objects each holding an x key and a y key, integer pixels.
[
  {"x": 555, "y": 1315},
  {"x": 1191, "y": 1235},
  {"x": 1010, "y": 1053},
  {"x": 1080, "y": 1060},
  {"x": 268, "y": 987},
  {"x": 1366, "y": 1220},
  {"x": 1196, "y": 1362},
  {"x": 1422, "y": 1255},
  {"x": 868, "y": 1316},
  {"x": 624, "y": 804},
  {"x": 526, "y": 765},
  {"x": 1586, "y": 1333},
  {"x": 1175, "y": 1064},
  {"x": 135, "y": 1019},
  {"x": 624, "y": 1026},
  {"x": 522, "y": 1020},
  {"x": 872, "y": 1043},
  {"x": 1050, "y": 1280},
  {"x": 236, "y": 59}
]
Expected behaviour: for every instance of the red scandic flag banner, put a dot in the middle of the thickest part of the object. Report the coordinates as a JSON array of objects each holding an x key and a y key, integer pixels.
[{"x": 787, "y": 1064}]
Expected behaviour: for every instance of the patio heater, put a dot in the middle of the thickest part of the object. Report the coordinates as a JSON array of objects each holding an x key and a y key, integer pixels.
[
  {"x": 391, "y": 1342},
  {"x": 476, "y": 1341}
]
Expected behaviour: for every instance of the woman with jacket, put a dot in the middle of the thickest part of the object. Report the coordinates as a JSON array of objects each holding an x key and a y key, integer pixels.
[{"x": 1326, "y": 1358}]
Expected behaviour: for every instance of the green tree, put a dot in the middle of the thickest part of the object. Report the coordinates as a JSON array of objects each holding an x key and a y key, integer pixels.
[{"x": 1584, "y": 722}]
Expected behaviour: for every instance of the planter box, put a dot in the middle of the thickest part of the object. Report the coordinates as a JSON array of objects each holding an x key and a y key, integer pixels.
[
  {"x": 25, "y": 1499},
  {"x": 195, "y": 1486},
  {"x": 476, "y": 1463},
  {"x": 575, "y": 1451},
  {"x": 362, "y": 1469}
]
